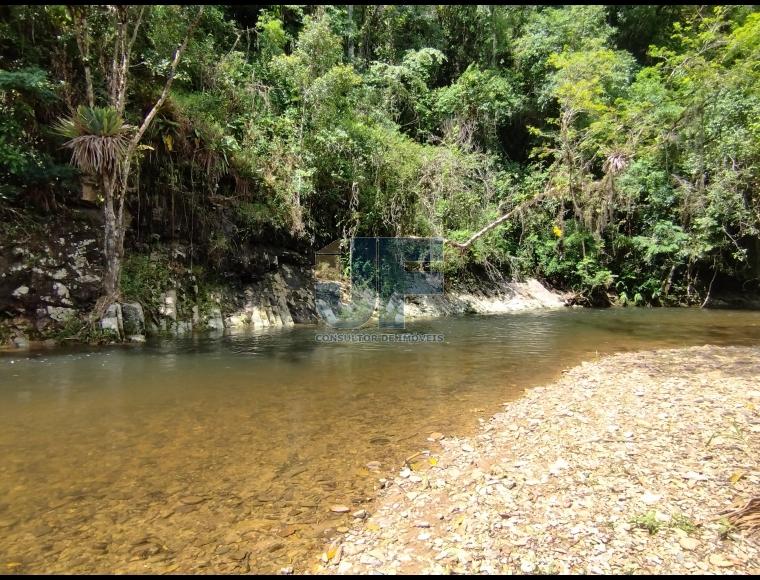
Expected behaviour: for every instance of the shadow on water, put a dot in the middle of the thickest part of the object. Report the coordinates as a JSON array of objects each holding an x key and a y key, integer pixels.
[{"x": 225, "y": 454}]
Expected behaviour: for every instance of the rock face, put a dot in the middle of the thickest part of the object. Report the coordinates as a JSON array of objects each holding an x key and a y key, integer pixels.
[
  {"x": 484, "y": 298},
  {"x": 55, "y": 276},
  {"x": 473, "y": 298},
  {"x": 58, "y": 314},
  {"x": 50, "y": 277},
  {"x": 280, "y": 298}
]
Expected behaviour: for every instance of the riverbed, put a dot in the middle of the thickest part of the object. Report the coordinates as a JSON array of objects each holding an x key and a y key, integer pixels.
[{"x": 228, "y": 454}]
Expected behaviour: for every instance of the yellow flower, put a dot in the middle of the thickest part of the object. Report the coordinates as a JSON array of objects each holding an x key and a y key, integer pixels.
[{"x": 557, "y": 231}]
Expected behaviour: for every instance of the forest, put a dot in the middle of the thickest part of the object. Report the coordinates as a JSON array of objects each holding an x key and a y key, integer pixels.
[
  {"x": 624, "y": 141},
  {"x": 226, "y": 346}
]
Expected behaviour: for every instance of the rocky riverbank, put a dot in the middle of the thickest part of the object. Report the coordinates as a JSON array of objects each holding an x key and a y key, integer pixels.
[
  {"x": 629, "y": 464},
  {"x": 51, "y": 276}
]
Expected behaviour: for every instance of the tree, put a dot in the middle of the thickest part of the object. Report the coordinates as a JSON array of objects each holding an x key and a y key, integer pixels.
[
  {"x": 642, "y": 160},
  {"x": 100, "y": 140}
]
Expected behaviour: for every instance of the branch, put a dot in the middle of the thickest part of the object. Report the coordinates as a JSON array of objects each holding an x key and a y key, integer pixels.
[
  {"x": 134, "y": 32},
  {"x": 172, "y": 71},
  {"x": 126, "y": 56},
  {"x": 709, "y": 289},
  {"x": 463, "y": 246}
]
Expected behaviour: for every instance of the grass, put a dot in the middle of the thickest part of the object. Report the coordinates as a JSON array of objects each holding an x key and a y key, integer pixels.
[
  {"x": 727, "y": 528},
  {"x": 682, "y": 522},
  {"x": 5, "y": 331},
  {"x": 144, "y": 280},
  {"x": 81, "y": 331},
  {"x": 648, "y": 522}
]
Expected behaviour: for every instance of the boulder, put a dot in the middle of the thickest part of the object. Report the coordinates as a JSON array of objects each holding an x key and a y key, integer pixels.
[
  {"x": 112, "y": 320},
  {"x": 168, "y": 308},
  {"x": 215, "y": 320},
  {"x": 133, "y": 319}
]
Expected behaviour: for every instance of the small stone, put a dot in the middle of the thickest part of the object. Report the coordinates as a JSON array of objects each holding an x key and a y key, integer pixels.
[
  {"x": 192, "y": 499},
  {"x": 360, "y": 514},
  {"x": 424, "y": 536},
  {"x": 558, "y": 466},
  {"x": 339, "y": 509},
  {"x": 20, "y": 291},
  {"x": 421, "y": 524},
  {"x": 650, "y": 498},
  {"x": 287, "y": 571},
  {"x": 415, "y": 478},
  {"x": 467, "y": 448},
  {"x": 185, "y": 509},
  {"x": 60, "y": 290},
  {"x": 689, "y": 543},
  {"x": 404, "y": 473},
  {"x": 720, "y": 561},
  {"x": 436, "y": 436}
]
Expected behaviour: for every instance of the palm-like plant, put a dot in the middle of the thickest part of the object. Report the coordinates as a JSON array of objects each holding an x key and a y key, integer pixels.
[{"x": 98, "y": 138}]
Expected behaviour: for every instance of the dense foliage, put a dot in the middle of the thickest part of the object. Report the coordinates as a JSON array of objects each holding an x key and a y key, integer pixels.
[{"x": 635, "y": 128}]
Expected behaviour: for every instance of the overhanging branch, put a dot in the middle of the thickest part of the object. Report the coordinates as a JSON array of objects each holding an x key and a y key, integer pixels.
[{"x": 518, "y": 208}]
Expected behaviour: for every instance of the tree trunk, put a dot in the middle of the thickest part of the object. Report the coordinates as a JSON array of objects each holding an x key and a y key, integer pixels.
[
  {"x": 493, "y": 35},
  {"x": 83, "y": 42},
  {"x": 113, "y": 243},
  {"x": 350, "y": 33}
]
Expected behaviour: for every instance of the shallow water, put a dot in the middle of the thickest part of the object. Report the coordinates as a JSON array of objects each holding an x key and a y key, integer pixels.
[{"x": 225, "y": 455}]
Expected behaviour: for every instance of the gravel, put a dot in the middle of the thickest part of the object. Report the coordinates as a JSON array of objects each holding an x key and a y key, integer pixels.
[{"x": 623, "y": 465}]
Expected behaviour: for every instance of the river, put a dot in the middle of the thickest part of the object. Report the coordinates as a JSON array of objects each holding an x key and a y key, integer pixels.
[{"x": 226, "y": 454}]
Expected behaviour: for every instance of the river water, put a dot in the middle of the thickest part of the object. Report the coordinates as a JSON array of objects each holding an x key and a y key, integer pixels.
[{"x": 226, "y": 454}]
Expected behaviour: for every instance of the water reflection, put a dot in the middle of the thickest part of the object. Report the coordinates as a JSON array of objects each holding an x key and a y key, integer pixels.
[{"x": 224, "y": 454}]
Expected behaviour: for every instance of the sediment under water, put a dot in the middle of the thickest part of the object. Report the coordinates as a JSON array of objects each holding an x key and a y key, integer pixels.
[{"x": 226, "y": 454}]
